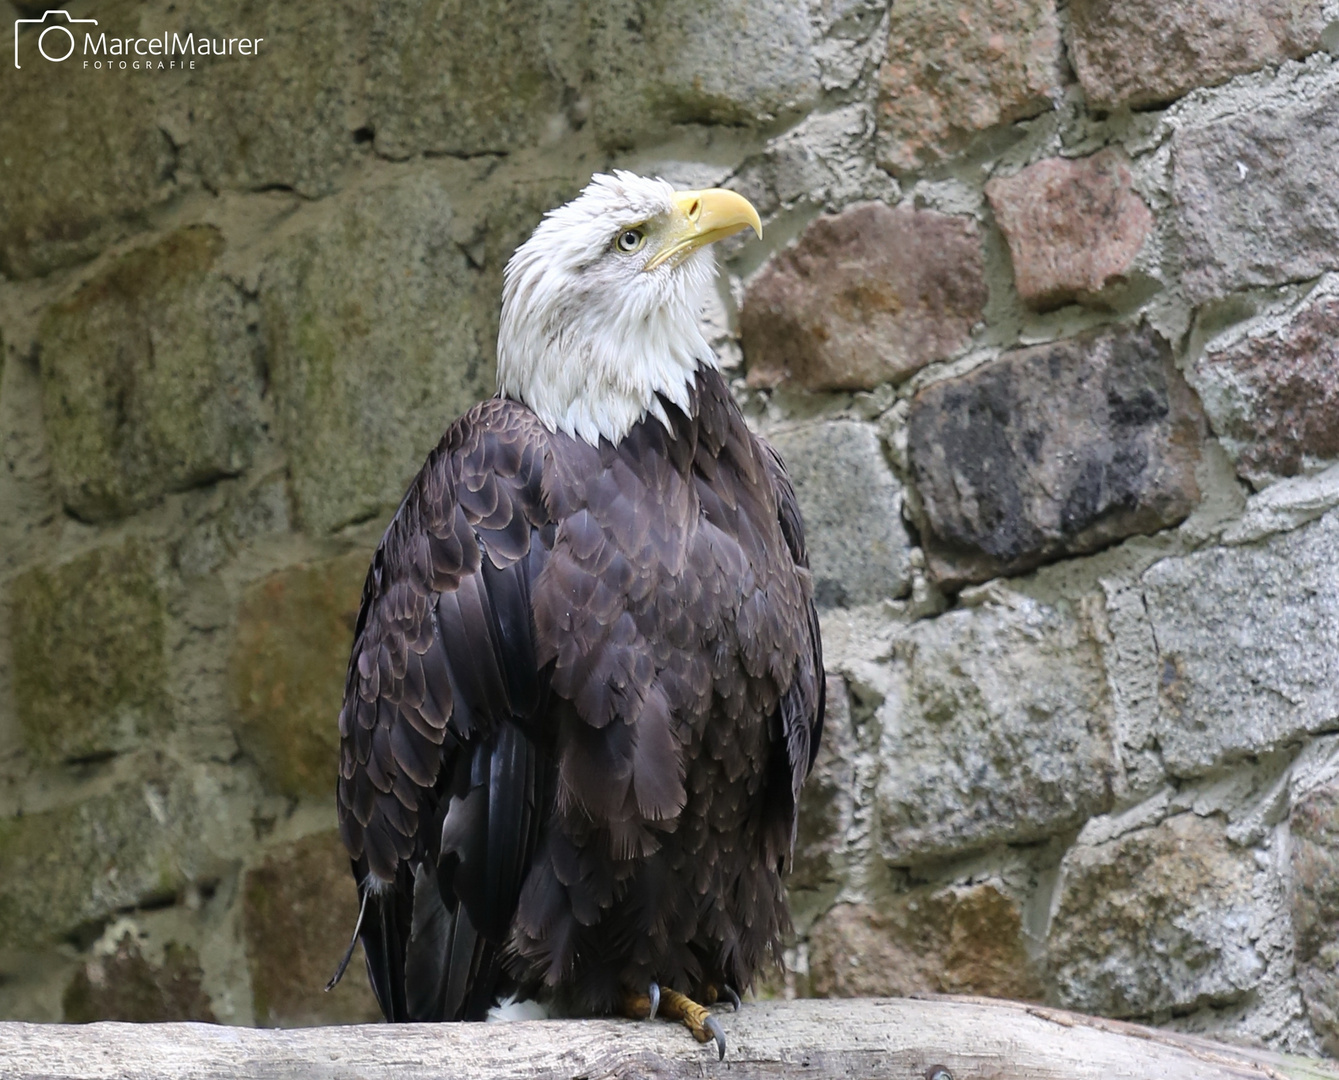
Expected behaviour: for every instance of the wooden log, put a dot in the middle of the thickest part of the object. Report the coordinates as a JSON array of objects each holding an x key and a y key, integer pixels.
[{"x": 910, "y": 1038}]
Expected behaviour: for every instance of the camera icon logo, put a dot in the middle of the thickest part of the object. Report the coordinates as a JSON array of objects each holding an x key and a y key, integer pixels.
[{"x": 60, "y": 45}]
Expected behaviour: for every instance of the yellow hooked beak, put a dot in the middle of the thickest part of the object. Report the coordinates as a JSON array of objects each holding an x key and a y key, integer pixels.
[{"x": 703, "y": 217}]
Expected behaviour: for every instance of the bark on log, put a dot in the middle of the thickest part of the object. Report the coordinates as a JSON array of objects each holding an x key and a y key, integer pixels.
[{"x": 970, "y": 1038}]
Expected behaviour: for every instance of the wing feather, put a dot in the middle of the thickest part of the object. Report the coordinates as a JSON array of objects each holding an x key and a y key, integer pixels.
[
  {"x": 803, "y": 704},
  {"x": 440, "y": 763}
]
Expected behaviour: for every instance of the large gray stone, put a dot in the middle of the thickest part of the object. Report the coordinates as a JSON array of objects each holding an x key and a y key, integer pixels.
[
  {"x": 1254, "y": 196},
  {"x": 1314, "y": 824},
  {"x": 825, "y": 160},
  {"x": 1285, "y": 505},
  {"x": 1246, "y": 646},
  {"x": 998, "y": 729},
  {"x": 1053, "y": 450},
  {"x": 1142, "y": 52},
  {"x": 136, "y": 843},
  {"x": 1161, "y": 918},
  {"x": 461, "y": 78},
  {"x": 953, "y": 71},
  {"x": 89, "y": 670},
  {"x": 376, "y": 343},
  {"x": 867, "y": 296},
  {"x": 82, "y": 155},
  {"x": 828, "y": 801},
  {"x": 859, "y": 549},
  {"x": 151, "y": 380},
  {"x": 1273, "y": 396},
  {"x": 645, "y": 65},
  {"x": 285, "y": 117}
]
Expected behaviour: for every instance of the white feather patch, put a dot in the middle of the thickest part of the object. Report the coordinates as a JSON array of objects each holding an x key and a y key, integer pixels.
[{"x": 511, "y": 1009}]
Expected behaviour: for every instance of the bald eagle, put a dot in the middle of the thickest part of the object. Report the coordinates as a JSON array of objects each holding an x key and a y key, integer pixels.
[{"x": 586, "y": 681}]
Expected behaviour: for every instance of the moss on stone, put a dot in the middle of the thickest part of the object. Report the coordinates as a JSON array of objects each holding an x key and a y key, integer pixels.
[
  {"x": 149, "y": 378},
  {"x": 375, "y": 333},
  {"x": 82, "y": 158},
  {"x": 88, "y": 663},
  {"x": 279, "y": 118},
  {"x": 460, "y": 78},
  {"x": 76, "y": 865},
  {"x": 298, "y": 909},
  {"x": 294, "y": 629}
]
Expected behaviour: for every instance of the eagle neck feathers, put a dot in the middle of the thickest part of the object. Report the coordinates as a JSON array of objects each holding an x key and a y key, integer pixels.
[{"x": 591, "y": 363}]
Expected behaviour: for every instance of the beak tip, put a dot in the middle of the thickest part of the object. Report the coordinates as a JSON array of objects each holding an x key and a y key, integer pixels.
[{"x": 713, "y": 214}]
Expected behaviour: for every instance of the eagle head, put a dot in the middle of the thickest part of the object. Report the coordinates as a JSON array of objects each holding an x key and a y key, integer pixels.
[{"x": 600, "y": 307}]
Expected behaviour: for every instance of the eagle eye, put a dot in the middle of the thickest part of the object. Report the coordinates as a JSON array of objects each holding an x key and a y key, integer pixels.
[{"x": 629, "y": 240}]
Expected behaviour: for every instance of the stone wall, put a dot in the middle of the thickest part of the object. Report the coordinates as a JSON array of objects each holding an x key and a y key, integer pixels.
[{"x": 1043, "y": 319}]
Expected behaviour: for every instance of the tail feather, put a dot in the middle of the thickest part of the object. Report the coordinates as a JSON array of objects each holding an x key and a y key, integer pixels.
[
  {"x": 384, "y": 947},
  {"x": 425, "y": 965}
]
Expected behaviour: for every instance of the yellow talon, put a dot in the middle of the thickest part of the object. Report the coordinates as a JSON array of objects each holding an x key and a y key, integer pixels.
[
  {"x": 677, "y": 1006},
  {"x": 637, "y": 1006},
  {"x": 673, "y": 1005}
]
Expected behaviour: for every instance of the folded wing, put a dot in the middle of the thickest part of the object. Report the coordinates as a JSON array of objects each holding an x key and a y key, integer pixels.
[{"x": 442, "y": 759}]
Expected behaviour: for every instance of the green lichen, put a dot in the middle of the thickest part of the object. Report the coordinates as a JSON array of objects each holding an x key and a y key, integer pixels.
[
  {"x": 149, "y": 380},
  {"x": 77, "y": 865},
  {"x": 88, "y": 663}
]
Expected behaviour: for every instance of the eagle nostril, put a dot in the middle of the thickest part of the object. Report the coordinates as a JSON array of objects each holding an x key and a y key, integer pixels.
[{"x": 695, "y": 210}]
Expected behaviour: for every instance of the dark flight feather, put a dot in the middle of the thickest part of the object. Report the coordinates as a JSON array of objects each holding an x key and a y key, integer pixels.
[{"x": 585, "y": 687}]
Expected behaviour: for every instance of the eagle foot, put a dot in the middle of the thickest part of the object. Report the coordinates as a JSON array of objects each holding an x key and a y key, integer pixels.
[
  {"x": 637, "y": 1006},
  {"x": 672, "y": 1005},
  {"x": 704, "y": 1026}
]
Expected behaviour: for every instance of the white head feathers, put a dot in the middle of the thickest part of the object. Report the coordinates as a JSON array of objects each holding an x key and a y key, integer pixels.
[{"x": 600, "y": 307}]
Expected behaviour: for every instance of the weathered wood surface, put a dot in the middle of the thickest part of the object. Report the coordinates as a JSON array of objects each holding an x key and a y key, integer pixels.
[{"x": 972, "y": 1038}]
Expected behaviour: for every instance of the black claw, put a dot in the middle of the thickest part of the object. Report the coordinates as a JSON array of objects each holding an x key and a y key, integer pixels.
[
  {"x": 715, "y": 1028},
  {"x": 654, "y": 994},
  {"x": 734, "y": 997}
]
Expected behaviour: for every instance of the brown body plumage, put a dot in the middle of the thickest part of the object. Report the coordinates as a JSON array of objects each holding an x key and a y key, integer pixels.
[{"x": 585, "y": 688}]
